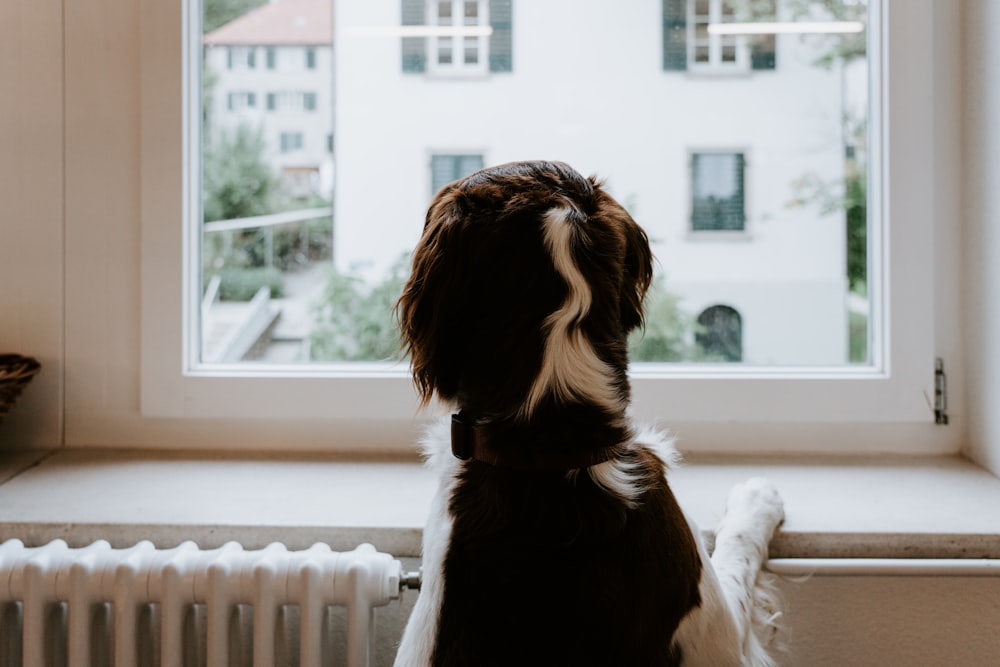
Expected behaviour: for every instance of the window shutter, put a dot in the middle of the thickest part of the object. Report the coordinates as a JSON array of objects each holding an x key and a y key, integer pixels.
[
  {"x": 763, "y": 47},
  {"x": 738, "y": 214},
  {"x": 468, "y": 164},
  {"x": 412, "y": 12},
  {"x": 448, "y": 168},
  {"x": 442, "y": 171},
  {"x": 674, "y": 35},
  {"x": 502, "y": 39}
]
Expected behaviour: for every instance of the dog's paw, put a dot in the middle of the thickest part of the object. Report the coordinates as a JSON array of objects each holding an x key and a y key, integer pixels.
[{"x": 757, "y": 498}]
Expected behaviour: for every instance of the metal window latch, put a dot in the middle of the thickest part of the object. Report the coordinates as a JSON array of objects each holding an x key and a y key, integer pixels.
[{"x": 940, "y": 393}]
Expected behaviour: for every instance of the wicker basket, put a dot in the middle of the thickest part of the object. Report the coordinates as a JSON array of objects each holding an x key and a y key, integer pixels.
[{"x": 15, "y": 372}]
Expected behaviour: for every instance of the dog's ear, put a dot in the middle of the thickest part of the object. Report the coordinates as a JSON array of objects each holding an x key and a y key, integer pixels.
[
  {"x": 430, "y": 307},
  {"x": 637, "y": 263},
  {"x": 638, "y": 274}
]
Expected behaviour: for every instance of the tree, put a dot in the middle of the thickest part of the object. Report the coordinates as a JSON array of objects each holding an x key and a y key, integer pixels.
[
  {"x": 238, "y": 182},
  {"x": 668, "y": 334},
  {"x": 843, "y": 47},
  {"x": 220, "y": 12},
  {"x": 355, "y": 322},
  {"x": 850, "y": 197}
]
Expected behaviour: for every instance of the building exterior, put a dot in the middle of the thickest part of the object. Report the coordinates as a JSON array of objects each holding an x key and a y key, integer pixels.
[
  {"x": 272, "y": 69},
  {"x": 700, "y": 136}
]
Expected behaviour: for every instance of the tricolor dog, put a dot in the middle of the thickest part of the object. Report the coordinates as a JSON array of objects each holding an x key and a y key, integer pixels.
[{"x": 554, "y": 537}]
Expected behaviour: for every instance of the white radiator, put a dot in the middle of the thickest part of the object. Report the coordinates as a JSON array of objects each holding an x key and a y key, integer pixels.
[{"x": 186, "y": 606}]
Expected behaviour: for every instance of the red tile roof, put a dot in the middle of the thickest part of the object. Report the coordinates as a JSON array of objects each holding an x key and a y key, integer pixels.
[{"x": 279, "y": 22}]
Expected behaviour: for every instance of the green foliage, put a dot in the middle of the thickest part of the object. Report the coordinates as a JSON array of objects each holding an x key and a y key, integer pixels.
[
  {"x": 839, "y": 48},
  {"x": 238, "y": 183},
  {"x": 668, "y": 335},
  {"x": 354, "y": 321},
  {"x": 219, "y": 12},
  {"x": 857, "y": 337},
  {"x": 241, "y": 284},
  {"x": 849, "y": 196}
]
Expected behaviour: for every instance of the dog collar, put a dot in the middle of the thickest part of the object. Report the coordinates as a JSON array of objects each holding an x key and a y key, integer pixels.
[{"x": 471, "y": 441}]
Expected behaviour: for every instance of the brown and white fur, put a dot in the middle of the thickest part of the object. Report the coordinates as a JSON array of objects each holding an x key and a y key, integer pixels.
[{"x": 555, "y": 539}]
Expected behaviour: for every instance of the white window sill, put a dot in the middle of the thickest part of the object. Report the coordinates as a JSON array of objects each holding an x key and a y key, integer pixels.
[{"x": 940, "y": 507}]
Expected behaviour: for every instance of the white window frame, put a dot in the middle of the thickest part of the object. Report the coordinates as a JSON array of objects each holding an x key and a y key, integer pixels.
[
  {"x": 458, "y": 64},
  {"x": 371, "y": 407},
  {"x": 714, "y": 43}
]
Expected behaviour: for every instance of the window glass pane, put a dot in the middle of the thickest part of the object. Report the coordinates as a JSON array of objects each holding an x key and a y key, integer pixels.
[
  {"x": 318, "y": 166},
  {"x": 471, "y": 13},
  {"x": 444, "y": 12},
  {"x": 444, "y": 50}
]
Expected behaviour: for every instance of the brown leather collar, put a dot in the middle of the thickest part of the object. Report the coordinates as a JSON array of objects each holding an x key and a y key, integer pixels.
[{"x": 470, "y": 440}]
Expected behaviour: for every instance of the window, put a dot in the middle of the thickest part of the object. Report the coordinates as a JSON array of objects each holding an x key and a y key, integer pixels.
[
  {"x": 448, "y": 168},
  {"x": 721, "y": 334},
  {"x": 310, "y": 58},
  {"x": 708, "y": 50},
  {"x": 271, "y": 57},
  {"x": 457, "y": 52},
  {"x": 239, "y": 100},
  {"x": 688, "y": 43},
  {"x": 368, "y": 399},
  {"x": 242, "y": 57},
  {"x": 291, "y": 141},
  {"x": 717, "y": 192},
  {"x": 457, "y": 36},
  {"x": 291, "y": 101}
]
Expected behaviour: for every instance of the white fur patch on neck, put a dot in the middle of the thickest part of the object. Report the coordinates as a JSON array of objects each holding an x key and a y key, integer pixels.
[
  {"x": 571, "y": 370},
  {"x": 620, "y": 477}
]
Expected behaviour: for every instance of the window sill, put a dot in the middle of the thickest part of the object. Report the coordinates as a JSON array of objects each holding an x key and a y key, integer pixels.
[{"x": 926, "y": 507}]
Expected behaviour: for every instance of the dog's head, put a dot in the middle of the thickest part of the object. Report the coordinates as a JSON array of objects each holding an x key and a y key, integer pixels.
[{"x": 525, "y": 284}]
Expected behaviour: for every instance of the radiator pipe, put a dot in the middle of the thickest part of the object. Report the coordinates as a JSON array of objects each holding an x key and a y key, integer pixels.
[
  {"x": 410, "y": 580},
  {"x": 885, "y": 567}
]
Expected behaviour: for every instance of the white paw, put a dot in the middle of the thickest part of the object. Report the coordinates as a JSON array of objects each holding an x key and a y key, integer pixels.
[{"x": 758, "y": 498}]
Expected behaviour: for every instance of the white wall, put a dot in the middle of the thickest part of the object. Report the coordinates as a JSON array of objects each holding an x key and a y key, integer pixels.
[
  {"x": 981, "y": 231},
  {"x": 850, "y": 622},
  {"x": 31, "y": 210}
]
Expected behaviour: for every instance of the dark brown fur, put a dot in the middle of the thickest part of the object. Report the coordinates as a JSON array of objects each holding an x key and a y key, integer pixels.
[{"x": 542, "y": 568}]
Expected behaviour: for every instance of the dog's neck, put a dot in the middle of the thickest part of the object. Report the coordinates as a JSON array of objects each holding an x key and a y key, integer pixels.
[{"x": 575, "y": 437}]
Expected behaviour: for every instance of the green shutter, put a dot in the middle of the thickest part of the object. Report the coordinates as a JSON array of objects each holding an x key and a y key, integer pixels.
[
  {"x": 502, "y": 39},
  {"x": 737, "y": 214},
  {"x": 675, "y": 35},
  {"x": 412, "y": 12}
]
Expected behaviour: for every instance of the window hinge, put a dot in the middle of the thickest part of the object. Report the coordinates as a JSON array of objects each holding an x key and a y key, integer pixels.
[{"x": 940, "y": 393}]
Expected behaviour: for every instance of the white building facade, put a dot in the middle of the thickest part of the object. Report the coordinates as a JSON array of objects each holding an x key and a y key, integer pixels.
[
  {"x": 271, "y": 69},
  {"x": 700, "y": 137}
]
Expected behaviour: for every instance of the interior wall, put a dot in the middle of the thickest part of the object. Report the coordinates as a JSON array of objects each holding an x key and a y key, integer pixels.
[
  {"x": 31, "y": 201},
  {"x": 856, "y": 621},
  {"x": 981, "y": 178}
]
